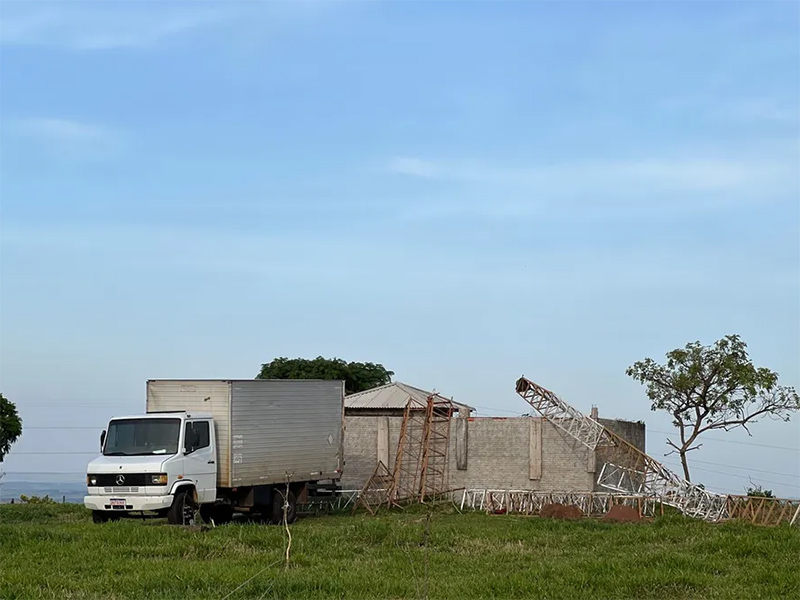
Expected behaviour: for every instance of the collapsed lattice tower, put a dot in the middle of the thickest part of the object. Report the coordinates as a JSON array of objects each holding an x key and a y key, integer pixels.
[{"x": 626, "y": 469}]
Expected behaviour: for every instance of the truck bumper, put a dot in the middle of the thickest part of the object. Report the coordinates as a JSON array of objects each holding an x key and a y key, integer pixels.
[{"x": 132, "y": 503}]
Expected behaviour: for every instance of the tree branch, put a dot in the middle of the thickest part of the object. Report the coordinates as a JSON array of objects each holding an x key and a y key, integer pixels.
[{"x": 727, "y": 425}]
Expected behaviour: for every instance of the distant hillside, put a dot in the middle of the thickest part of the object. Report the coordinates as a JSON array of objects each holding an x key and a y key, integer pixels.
[{"x": 67, "y": 491}]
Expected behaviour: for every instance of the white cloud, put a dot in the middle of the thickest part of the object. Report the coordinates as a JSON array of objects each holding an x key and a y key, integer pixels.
[
  {"x": 646, "y": 265},
  {"x": 689, "y": 174},
  {"x": 412, "y": 166},
  {"x": 94, "y": 26},
  {"x": 762, "y": 110},
  {"x": 63, "y": 129},
  {"x": 67, "y": 138},
  {"x": 98, "y": 28},
  {"x": 603, "y": 187}
]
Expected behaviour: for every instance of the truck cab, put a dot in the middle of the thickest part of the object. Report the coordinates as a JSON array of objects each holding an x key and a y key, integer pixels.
[{"x": 161, "y": 462}]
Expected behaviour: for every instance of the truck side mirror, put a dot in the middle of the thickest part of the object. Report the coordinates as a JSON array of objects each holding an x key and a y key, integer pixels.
[{"x": 102, "y": 439}]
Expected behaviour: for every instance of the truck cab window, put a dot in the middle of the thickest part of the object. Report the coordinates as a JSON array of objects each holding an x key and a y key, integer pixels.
[
  {"x": 197, "y": 436},
  {"x": 142, "y": 437}
]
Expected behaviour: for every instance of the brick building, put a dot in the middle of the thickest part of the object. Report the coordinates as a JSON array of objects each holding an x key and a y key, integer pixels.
[{"x": 520, "y": 453}]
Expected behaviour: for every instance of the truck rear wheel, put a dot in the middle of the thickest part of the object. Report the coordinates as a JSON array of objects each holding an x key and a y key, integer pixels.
[
  {"x": 182, "y": 510},
  {"x": 219, "y": 513},
  {"x": 277, "y": 507}
]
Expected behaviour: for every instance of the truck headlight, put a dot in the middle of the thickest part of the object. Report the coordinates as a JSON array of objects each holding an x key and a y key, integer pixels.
[
  {"x": 160, "y": 479},
  {"x": 91, "y": 480}
]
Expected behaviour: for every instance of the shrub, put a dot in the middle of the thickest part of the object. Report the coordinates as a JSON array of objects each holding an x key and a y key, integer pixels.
[{"x": 36, "y": 499}]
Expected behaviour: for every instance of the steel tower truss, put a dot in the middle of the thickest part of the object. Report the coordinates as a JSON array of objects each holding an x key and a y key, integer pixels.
[
  {"x": 626, "y": 469},
  {"x": 421, "y": 463}
]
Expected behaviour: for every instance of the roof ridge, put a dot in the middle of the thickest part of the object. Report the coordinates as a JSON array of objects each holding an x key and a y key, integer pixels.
[
  {"x": 380, "y": 387},
  {"x": 404, "y": 390},
  {"x": 413, "y": 387}
]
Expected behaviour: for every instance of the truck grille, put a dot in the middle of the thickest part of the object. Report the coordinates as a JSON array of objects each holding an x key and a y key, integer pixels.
[
  {"x": 122, "y": 490},
  {"x": 130, "y": 479}
]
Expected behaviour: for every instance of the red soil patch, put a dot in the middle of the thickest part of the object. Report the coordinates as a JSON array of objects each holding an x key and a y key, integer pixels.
[
  {"x": 561, "y": 511},
  {"x": 622, "y": 514}
]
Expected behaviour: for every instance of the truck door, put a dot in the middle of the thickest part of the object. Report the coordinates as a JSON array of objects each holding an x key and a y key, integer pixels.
[{"x": 200, "y": 459}]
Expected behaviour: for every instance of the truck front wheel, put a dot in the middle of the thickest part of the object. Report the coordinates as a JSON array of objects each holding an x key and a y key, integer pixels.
[
  {"x": 182, "y": 510},
  {"x": 101, "y": 516}
]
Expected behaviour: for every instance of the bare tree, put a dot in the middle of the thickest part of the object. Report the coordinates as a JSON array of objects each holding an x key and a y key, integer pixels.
[{"x": 712, "y": 387}]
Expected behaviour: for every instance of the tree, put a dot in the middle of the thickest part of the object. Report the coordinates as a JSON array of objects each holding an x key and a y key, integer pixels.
[
  {"x": 712, "y": 387},
  {"x": 10, "y": 426},
  {"x": 357, "y": 376},
  {"x": 759, "y": 492}
]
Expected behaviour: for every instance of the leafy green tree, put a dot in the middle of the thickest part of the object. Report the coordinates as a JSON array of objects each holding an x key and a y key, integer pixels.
[
  {"x": 10, "y": 426},
  {"x": 357, "y": 376},
  {"x": 712, "y": 387}
]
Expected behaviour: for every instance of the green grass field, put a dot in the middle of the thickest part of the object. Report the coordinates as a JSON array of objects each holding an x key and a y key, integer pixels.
[{"x": 54, "y": 551}]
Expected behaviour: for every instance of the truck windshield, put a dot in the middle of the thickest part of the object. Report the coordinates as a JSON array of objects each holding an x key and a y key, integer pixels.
[{"x": 142, "y": 437}]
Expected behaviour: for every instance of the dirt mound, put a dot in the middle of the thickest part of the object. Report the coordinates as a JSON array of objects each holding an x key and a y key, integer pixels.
[
  {"x": 622, "y": 514},
  {"x": 560, "y": 511}
]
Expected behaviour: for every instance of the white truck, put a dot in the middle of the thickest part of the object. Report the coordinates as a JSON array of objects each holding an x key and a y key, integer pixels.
[{"x": 218, "y": 447}]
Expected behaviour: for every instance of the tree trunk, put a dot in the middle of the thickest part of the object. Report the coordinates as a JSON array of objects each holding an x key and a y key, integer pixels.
[{"x": 685, "y": 465}]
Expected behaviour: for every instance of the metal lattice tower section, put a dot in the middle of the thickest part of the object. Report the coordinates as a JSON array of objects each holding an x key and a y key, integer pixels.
[
  {"x": 375, "y": 490},
  {"x": 626, "y": 469},
  {"x": 421, "y": 464},
  {"x": 434, "y": 476},
  {"x": 408, "y": 460}
]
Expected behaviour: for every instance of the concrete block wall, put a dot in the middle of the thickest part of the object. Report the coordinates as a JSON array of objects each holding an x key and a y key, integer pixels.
[
  {"x": 365, "y": 438},
  {"x": 499, "y": 457},
  {"x": 360, "y": 450},
  {"x": 632, "y": 431},
  {"x": 502, "y": 453}
]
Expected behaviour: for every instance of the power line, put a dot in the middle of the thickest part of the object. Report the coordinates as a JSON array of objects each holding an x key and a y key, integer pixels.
[
  {"x": 705, "y": 462},
  {"x": 70, "y": 405},
  {"x": 45, "y": 473},
  {"x": 27, "y": 427},
  {"x": 517, "y": 413},
  {"x": 741, "y": 468},
  {"x": 730, "y": 441},
  {"x": 513, "y": 412},
  {"x": 15, "y": 453},
  {"x": 732, "y": 475}
]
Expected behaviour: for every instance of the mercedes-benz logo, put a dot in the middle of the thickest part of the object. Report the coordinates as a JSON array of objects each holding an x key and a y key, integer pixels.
[{"x": 120, "y": 479}]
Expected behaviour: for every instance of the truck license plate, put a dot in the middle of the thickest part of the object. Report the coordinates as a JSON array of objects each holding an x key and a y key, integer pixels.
[{"x": 117, "y": 503}]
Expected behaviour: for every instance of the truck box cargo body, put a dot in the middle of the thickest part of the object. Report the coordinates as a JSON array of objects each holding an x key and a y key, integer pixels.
[{"x": 265, "y": 429}]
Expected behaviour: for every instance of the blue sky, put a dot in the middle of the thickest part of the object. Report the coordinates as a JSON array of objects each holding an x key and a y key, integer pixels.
[{"x": 465, "y": 192}]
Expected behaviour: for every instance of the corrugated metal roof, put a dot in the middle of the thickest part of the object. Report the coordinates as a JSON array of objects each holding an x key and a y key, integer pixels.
[{"x": 392, "y": 396}]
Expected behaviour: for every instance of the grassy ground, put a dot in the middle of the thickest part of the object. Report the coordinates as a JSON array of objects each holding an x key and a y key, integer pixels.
[{"x": 56, "y": 552}]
